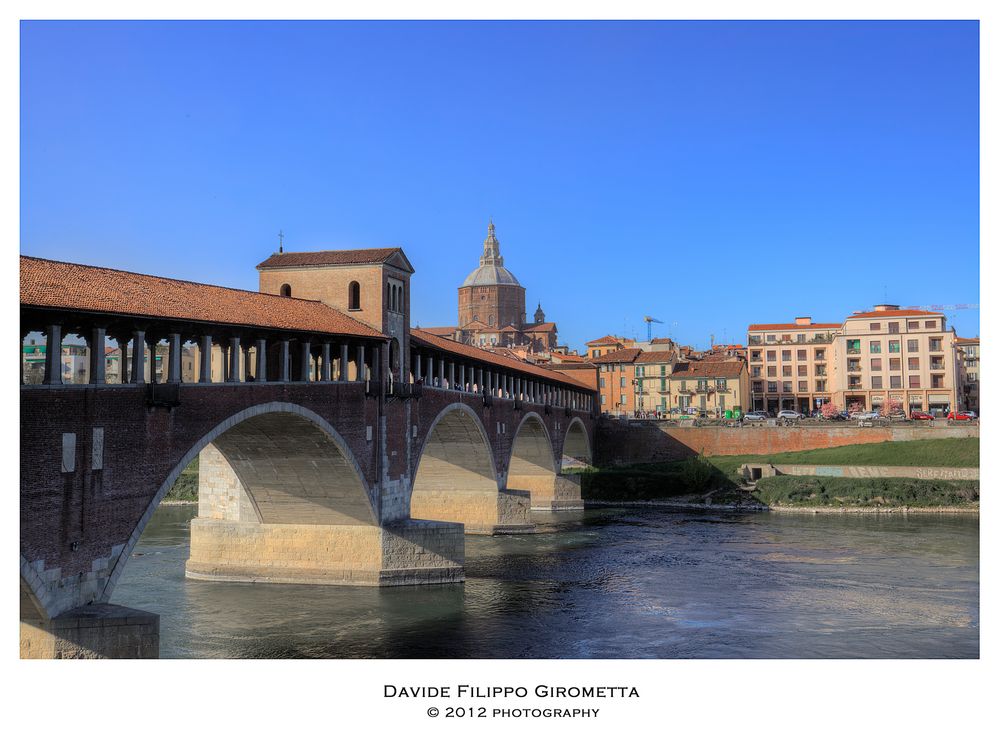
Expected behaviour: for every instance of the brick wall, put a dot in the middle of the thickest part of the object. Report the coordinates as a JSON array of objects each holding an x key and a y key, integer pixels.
[{"x": 623, "y": 443}]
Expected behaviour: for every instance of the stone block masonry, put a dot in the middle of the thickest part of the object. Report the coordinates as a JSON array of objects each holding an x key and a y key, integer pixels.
[{"x": 94, "y": 631}]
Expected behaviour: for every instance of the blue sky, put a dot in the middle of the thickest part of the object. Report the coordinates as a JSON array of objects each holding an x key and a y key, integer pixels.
[{"x": 709, "y": 174}]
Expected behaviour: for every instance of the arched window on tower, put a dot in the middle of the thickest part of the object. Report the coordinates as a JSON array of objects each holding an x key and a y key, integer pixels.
[
  {"x": 354, "y": 296},
  {"x": 491, "y": 319},
  {"x": 286, "y": 290}
]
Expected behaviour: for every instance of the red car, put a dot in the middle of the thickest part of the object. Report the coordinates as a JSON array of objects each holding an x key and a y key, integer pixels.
[
  {"x": 921, "y": 416},
  {"x": 959, "y": 416}
]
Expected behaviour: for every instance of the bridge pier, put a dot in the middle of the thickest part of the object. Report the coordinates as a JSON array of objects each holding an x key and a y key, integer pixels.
[
  {"x": 396, "y": 554},
  {"x": 93, "y": 631},
  {"x": 549, "y": 492},
  {"x": 481, "y": 512}
]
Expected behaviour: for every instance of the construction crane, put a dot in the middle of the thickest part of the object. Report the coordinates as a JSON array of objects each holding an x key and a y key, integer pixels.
[{"x": 649, "y": 326}]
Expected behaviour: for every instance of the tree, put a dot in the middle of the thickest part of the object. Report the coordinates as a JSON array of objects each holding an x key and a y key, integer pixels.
[
  {"x": 829, "y": 410},
  {"x": 855, "y": 408},
  {"x": 892, "y": 407}
]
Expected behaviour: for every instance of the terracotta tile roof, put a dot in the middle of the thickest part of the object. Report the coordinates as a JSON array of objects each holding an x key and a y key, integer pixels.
[
  {"x": 893, "y": 312},
  {"x": 544, "y": 326},
  {"x": 330, "y": 257},
  {"x": 708, "y": 369},
  {"x": 493, "y": 358},
  {"x": 440, "y": 331},
  {"x": 625, "y": 355},
  {"x": 656, "y": 357},
  {"x": 969, "y": 340},
  {"x": 661, "y": 340},
  {"x": 606, "y": 339},
  {"x": 800, "y": 327},
  {"x": 560, "y": 357},
  {"x": 66, "y": 285}
]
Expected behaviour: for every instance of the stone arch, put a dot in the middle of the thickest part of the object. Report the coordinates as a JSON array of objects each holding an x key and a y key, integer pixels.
[
  {"x": 456, "y": 476},
  {"x": 576, "y": 443},
  {"x": 354, "y": 296},
  {"x": 261, "y": 444},
  {"x": 533, "y": 465},
  {"x": 286, "y": 290}
]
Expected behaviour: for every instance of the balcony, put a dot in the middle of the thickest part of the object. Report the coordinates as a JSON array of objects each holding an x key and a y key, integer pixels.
[
  {"x": 854, "y": 350},
  {"x": 854, "y": 386}
]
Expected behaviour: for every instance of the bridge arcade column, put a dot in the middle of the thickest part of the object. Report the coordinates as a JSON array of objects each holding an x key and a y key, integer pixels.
[
  {"x": 97, "y": 336},
  {"x": 261, "y": 361},
  {"x": 284, "y": 361},
  {"x": 234, "y": 360},
  {"x": 246, "y": 361},
  {"x": 205, "y": 348},
  {"x": 174, "y": 344},
  {"x": 325, "y": 367},
  {"x": 461, "y": 377},
  {"x": 305, "y": 360},
  {"x": 138, "y": 356},
  {"x": 53, "y": 355}
]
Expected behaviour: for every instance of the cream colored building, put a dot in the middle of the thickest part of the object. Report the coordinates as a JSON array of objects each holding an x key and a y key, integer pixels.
[
  {"x": 968, "y": 373},
  {"x": 791, "y": 366},
  {"x": 907, "y": 355}
]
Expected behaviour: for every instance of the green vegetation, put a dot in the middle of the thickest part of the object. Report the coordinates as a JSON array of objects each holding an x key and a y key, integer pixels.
[
  {"x": 960, "y": 452},
  {"x": 690, "y": 480},
  {"x": 786, "y": 490},
  {"x": 186, "y": 486}
]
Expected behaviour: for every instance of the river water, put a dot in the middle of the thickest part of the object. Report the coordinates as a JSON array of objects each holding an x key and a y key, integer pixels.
[{"x": 605, "y": 583}]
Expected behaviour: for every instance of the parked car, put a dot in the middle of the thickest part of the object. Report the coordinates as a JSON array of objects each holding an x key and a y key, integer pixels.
[
  {"x": 789, "y": 414},
  {"x": 959, "y": 416},
  {"x": 755, "y": 416},
  {"x": 973, "y": 414},
  {"x": 921, "y": 416},
  {"x": 865, "y": 415}
]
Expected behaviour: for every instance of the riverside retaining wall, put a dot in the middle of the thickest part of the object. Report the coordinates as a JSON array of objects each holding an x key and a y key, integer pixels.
[{"x": 630, "y": 442}]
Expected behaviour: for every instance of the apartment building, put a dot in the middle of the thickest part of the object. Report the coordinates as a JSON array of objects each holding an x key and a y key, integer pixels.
[
  {"x": 968, "y": 373},
  {"x": 904, "y": 355},
  {"x": 871, "y": 358},
  {"x": 791, "y": 366},
  {"x": 616, "y": 381}
]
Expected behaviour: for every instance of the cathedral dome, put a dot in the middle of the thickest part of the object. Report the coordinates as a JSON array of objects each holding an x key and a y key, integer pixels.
[{"x": 491, "y": 270}]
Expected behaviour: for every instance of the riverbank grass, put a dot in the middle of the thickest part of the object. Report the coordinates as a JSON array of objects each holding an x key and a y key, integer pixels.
[{"x": 717, "y": 479}]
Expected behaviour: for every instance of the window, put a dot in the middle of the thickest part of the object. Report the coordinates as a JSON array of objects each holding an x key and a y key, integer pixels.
[
  {"x": 820, "y": 355},
  {"x": 853, "y": 346},
  {"x": 622, "y": 379},
  {"x": 853, "y": 381},
  {"x": 876, "y": 363},
  {"x": 894, "y": 327},
  {"x": 286, "y": 290},
  {"x": 821, "y": 386},
  {"x": 912, "y": 324},
  {"x": 770, "y": 337},
  {"x": 894, "y": 346},
  {"x": 935, "y": 344},
  {"x": 895, "y": 381},
  {"x": 912, "y": 363},
  {"x": 800, "y": 338},
  {"x": 802, "y": 371},
  {"x": 894, "y": 363},
  {"x": 354, "y": 296},
  {"x": 876, "y": 381},
  {"x": 875, "y": 326},
  {"x": 937, "y": 381},
  {"x": 932, "y": 324},
  {"x": 663, "y": 384},
  {"x": 786, "y": 386},
  {"x": 663, "y": 369},
  {"x": 755, "y": 371},
  {"x": 772, "y": 386},
  {"x": 875, "y": 347},
  {"x": 755, "y": 356},
  {"x": 801, "y": 355},
  {"x": 786, "y": 337},
  {"x": 786, "y": 371},
  {"x": 491, "y": 319},
  {"x": 604, "y": 400},
  {"x": 803, "y": 386},
  {"x": 821, "y": 371},
  {"x": 772, "y": 371},
  {"x": 758, "y": 386},
  {"x": 623, "y": 401},
  {"x": 912, "y": 345},
  {"x": 772, "y": 356},
  {"x": 601, "y": 382},
  {"x": 914, "y": 381},
  {"x": 786, "y": 355}
]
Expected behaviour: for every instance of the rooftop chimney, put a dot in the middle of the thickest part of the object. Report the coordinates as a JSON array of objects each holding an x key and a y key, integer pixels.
[
  {"x": 803, "y": 320},
  {"x": 887, "y": 307}
]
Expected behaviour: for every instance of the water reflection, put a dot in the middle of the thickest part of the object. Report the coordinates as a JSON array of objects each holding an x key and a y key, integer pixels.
[{"x": 605, "y": 583}]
